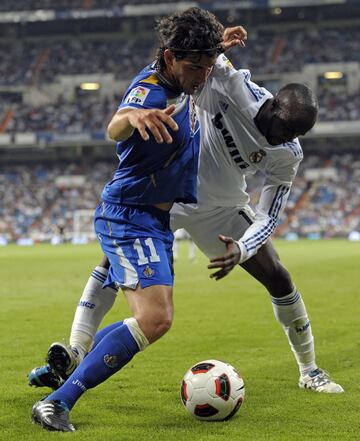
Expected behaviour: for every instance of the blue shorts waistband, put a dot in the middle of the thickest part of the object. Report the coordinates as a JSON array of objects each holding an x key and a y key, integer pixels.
[{"x": 162, "y": 215}]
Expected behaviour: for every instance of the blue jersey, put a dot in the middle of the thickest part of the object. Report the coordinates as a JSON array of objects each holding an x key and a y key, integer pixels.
[{"x": 148, "y": 172}]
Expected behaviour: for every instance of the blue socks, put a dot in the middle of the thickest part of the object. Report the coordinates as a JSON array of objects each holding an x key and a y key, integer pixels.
[
  {"x": 111, "y": 352},
  {"x": 105, "y": 331}
]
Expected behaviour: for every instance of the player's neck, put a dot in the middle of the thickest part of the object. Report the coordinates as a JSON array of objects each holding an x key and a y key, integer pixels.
[
  {"x": 169, "y": 82},
  {"x": 262, "y": 119}
]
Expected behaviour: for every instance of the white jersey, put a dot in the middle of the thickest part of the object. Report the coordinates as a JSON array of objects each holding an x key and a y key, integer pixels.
[{"x": 232, "y": 147}]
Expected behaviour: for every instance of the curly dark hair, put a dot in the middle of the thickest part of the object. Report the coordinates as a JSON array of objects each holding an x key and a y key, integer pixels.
[{"x": 191, "y": 33}]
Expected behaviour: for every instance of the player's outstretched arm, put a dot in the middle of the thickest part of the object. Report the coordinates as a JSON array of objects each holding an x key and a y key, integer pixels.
[
  {"x": 228, "y": 260},
  {"x": 156, "y": 121}
]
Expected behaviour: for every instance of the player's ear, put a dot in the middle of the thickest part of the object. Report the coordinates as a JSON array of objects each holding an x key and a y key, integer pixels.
[
  {"x": 169, "y": 57},
  {"x": 275, "y": 103}
]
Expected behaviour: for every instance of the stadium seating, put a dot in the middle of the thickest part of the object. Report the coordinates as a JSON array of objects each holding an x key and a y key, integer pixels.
[
  {"x": 266, "y": 53},
  {"x": 327, "y": 206},
  {"x": 323, "y": 205}
]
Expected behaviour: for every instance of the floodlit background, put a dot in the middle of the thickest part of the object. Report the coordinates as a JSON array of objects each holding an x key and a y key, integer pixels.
[{"x": 64, "y": 65}]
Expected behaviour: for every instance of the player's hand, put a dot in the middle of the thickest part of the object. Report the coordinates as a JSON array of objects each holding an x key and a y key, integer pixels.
[
  {"x": 227, "y": 261},
  {"x": 155, "y": 121},
  {"x": 235, "y": 36}
]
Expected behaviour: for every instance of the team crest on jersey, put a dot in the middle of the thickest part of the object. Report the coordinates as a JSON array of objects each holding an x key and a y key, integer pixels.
[
  {"x": 256, "y": 157},
  {"x": 227, "y": 61},
  {"x": 148, "y": 272},
  {"x": 137, "y": 95}
]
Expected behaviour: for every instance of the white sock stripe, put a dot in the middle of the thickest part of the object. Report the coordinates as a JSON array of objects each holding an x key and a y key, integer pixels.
[
  {"x": 100, "y": 273},
  {"x": 98, "y": 276},
  {"x": 98, "y": 279},
  {"x": 287, "y": 301},
  {"x": 100, "y": 269}
]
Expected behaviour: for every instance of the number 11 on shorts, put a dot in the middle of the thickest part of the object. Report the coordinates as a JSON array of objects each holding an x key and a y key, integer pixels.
[{"x": 143, "y": 260}]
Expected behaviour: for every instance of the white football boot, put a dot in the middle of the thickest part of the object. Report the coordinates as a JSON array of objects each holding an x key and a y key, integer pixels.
[
  {"x": 63, "y": 359},
  {"x": 320, "y": 381}
]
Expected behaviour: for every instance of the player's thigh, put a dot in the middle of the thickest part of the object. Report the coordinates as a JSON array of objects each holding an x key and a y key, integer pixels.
[
  {"x": 205, "y": 225},
  {"x": 153, "y": 309},
  {"x": 152, "y": 302}
]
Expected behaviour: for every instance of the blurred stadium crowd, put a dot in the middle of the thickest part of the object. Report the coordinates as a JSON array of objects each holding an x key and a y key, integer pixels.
[
  {"x": 23, "y": 5},
  {"x": 38, "y": 199},
  {"x": 268, "y": 52},
  {"x": 90, "y": 113},
  {"x": 324, "y": 204}
]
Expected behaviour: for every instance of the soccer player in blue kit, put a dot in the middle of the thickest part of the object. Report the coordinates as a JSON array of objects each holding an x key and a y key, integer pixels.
[
  {"x": 262, "y": 129},
  {"x": 132, "y": 221}
]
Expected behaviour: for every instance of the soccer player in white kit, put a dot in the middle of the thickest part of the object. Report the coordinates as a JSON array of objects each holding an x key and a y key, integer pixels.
[{"x": 244, "y": 129}]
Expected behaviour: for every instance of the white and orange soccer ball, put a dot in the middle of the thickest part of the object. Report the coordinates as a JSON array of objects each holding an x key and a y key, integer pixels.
[{"x": 212, "y": 390}]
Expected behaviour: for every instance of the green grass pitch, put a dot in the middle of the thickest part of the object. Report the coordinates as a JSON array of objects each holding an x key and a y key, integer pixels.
[{"x": 231, "y": 320}]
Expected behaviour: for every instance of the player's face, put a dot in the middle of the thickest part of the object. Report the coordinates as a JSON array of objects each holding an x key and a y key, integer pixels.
[
  {"x": 190, "y": 75},
  {"x": 280, "y": 132}
]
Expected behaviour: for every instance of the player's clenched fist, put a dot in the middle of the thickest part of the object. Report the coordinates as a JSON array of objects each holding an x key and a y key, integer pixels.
[{"x": 155, "y": 121}]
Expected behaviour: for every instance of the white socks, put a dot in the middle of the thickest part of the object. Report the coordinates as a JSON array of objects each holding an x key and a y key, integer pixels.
[
  {"x": 95, "y": 302},
  {"x": 290, "y": 312}
]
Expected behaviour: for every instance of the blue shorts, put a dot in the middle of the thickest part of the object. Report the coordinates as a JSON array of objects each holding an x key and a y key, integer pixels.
[{"x": 138, "y": 243}]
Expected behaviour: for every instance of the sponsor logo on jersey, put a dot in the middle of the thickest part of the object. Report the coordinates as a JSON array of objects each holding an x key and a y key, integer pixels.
[
  {"x": 86, "y": 304},
  {"x": 148, "y": 272},
  {"x": 111, "y": 360},
  {"x": 256, "y": 157},
  {"x": 229, "y": 141},
  {"x": 137, "y": 95}
]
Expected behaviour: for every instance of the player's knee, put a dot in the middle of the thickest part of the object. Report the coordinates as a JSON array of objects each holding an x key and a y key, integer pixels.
[
  {"x": 158, "y": 329},
  {"x": 155, "y": 326},
  {"x": 163, "y": 327},
  {"x": 279, "y": 281}
]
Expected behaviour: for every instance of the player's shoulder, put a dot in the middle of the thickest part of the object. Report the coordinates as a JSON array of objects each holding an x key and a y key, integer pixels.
[
  {"x": 253, "y": 91},
  {"x": 294, "y": 148},
  {"x": 224, "y": 66},
  {"x": 238, "y": 84},
  {"x": 290, "y": 151},
  {"x": 146, "y": 90}
]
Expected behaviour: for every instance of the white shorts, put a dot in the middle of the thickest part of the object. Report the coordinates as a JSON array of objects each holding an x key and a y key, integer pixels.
[
  {"x": 181, "y": 234},
  {"x": 205, "y": 223}
]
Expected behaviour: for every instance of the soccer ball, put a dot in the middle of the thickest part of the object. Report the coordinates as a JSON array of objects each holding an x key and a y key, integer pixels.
[{"x": 212, "y": 391}]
